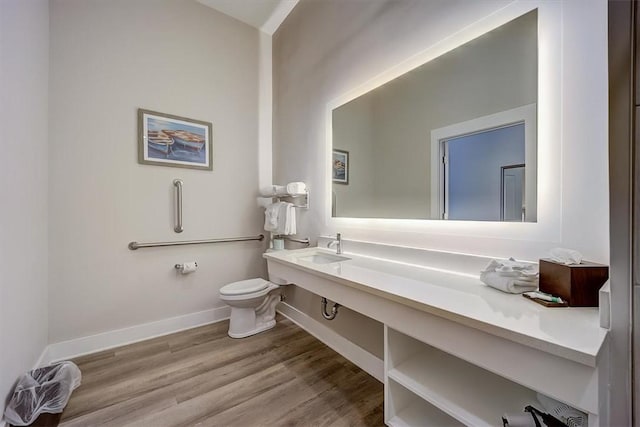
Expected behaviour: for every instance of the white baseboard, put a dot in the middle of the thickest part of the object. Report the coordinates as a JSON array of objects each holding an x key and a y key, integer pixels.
[
  {"x": 350, "y": 351},
  {"x": 42, "y": 360},
  {"x": 106, "y": 340}
]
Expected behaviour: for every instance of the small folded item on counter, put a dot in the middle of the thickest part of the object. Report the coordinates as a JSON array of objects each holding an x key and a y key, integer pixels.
[{"x": 510, "y": 276}]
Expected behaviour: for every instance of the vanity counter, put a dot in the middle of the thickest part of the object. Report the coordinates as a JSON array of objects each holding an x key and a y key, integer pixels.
[{"x": 569, "y": 333}]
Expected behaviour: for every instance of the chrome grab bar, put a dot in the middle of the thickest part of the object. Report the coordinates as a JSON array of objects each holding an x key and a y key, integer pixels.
[
  {"x": 304, "y": 241},
  {"x": 136, "y": 245},
  {"x": 178, "y": 184}
]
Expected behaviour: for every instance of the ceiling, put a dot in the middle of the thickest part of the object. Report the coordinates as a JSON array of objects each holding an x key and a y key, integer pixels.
[{"x": 265, "y": 15}]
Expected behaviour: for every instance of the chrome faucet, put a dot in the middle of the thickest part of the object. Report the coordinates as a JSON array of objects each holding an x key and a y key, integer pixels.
[{"x": 337, "y": 243}]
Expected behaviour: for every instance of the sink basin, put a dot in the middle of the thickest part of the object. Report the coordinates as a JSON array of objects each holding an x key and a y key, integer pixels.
[{"x": 323, "y": 258}]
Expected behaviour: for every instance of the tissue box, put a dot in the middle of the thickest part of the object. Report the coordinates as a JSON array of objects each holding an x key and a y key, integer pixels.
[{"x": 577, "y": 284}]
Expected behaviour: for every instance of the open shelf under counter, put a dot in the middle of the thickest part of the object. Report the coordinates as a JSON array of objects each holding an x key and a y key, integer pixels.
[
  {"x": 408, "y": 410},
  {"x": 471, "y": 395},
  {"x": 508, "y": 346}
]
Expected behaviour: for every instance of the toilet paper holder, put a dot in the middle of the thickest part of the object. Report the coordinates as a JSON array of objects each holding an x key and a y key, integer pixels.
[{"x": 181, "y": 267}]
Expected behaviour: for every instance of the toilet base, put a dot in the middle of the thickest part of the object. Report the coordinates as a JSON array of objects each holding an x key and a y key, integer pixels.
[
  {"x": 257, "y": 330},
  {"x": 250, "y": 320}
]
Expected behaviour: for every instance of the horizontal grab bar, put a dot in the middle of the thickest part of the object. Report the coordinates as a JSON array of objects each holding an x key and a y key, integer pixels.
[
  {"x": 135, "y": 245},
  {"x": 304, "y": 241}
]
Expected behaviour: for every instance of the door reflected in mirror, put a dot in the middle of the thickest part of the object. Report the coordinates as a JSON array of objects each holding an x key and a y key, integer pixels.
[
  {"x": 513, "y": 190},
  {"x": 473, "y": 171},
  {"x": 454, "y": 138}
]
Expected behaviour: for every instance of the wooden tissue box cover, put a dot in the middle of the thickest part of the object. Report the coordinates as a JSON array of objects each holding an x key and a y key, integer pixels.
[{"x": 577, "y": 284}]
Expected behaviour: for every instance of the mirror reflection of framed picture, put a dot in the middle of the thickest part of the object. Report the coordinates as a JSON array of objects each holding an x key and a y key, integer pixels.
[{"x": 340, "y": 167}]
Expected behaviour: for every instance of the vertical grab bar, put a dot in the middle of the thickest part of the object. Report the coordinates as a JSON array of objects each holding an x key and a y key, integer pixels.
[{"x": 178, "y": 184}]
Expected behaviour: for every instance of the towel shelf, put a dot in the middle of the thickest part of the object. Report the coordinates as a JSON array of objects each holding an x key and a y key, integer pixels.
[{"x": 137, "y": 245}]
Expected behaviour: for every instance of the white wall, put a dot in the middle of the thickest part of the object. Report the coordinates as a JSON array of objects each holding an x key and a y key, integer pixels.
[
  {"x": 336, "y": 46},
  {"x": 108, "y": 58},
  {"x": 24, "y": 63}
]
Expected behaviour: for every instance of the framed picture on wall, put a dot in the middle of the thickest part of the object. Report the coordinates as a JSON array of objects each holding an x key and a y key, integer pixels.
[
  {"x": 340, "y": 167},
  {"x": 168, "y": 140}
]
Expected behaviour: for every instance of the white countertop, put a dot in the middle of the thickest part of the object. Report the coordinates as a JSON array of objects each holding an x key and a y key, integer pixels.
[{"x": 572, "y": 333}]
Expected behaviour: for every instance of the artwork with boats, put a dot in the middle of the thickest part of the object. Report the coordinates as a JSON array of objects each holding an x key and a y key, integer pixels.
[{"x": 174, "y": 141}]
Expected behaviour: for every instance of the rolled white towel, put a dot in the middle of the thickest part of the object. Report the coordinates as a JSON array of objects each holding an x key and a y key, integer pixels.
[
  {"x": 273, "y": 190},
  {"x": 296, "y": 188}
]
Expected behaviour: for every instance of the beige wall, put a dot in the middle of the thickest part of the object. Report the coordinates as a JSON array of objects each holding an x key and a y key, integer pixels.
[
  {"x": 108, "y": 58},
  {"x": 361, "y": 330},
  {"x": 24, "y": 62}
]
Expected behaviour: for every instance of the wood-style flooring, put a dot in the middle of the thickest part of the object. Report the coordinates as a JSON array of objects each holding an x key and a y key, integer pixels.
[{"x": 282, "y": 377}]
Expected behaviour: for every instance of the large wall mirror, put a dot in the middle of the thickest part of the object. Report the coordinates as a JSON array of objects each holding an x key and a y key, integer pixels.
[{"x": 453, "y": 139}]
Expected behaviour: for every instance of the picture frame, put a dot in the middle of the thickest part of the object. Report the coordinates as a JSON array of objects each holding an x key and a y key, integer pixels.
[
  {"x": 174, "y": 141},
  {"x": 340, "y": 167}
]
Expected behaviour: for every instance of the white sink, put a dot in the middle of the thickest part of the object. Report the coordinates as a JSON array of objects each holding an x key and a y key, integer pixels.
[{"x": 320, "y": 258}]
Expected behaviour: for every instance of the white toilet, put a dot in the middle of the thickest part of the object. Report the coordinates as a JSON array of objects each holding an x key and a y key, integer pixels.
[{"x": 253, "y": 306}]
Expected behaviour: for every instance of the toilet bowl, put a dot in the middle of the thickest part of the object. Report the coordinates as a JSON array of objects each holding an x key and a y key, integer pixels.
[{"x": 253, "y": 306}]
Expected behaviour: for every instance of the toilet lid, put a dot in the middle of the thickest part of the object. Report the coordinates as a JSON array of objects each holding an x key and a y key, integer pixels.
[{"x": 244, "y": 287}]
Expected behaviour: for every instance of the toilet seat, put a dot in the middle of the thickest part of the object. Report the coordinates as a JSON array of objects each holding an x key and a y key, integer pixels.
[{"x": 244, "y": 287}]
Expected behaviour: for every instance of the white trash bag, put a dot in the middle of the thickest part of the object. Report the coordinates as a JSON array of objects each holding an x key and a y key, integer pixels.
[{"x": 42, "y": 390}]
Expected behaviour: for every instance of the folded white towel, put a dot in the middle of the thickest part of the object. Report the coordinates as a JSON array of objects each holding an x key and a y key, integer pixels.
[
  {"x": 283, "y": 209},
  {"x": 296, "y": 188},
  {"x": 510, "y": 276},
  {"x": 291, "y": 220},
  {"x": 507, "y": 284},
  {"x": 271, "y": 217}
]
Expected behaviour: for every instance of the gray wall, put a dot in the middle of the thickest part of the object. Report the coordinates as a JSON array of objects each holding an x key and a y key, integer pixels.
[
  {"x": 108, "y": 58},
  {"x": 24, "y": 66},
  {"x": 355, "y": 126}
]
